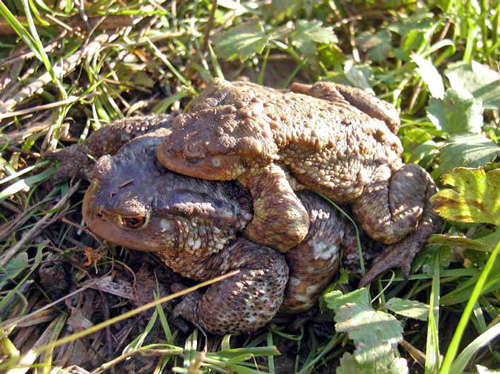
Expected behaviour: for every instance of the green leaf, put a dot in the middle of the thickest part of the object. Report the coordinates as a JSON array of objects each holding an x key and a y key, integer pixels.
[
  {"x": 469, "y": 150},
  {"x": 242, "y": 41},
  {"x": 483, "y": 244},
  {"x": 421, "y": 20},
  {"x": 281, "y": 9},
  {"x": 408, "y": 308},
  {"x": 387, "y": 365},
  {"x": 424, "y": 153},
  {"x": 375, "y": 333},
  {"x": 378, "y": 45},
  {"x": 479, "y": 80},
  {"x": 430, "y": 76},
  {"x": 475, "y": 197},
  {"x": 13, "y": 268},
  {"x": 457, "y": 113},
  {"x": 308, "y": 33}
]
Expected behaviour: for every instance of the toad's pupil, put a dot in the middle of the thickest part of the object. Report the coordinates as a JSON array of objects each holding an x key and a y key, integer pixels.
[{"x": 134, "y": 222}]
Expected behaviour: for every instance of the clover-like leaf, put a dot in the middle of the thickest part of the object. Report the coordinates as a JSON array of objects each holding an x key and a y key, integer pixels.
[
  {"x": 473, "y": 198},
  {"x": 479, "y": 80},
  {"x": 387, "y": 365},
  {"x": 458, "y": 112},
  {"x": 308, "y": 33},
  {"x": 13, "y": 268},
  {"x": 242, "y": 41},
  {"x": 468, "y": 150},
  {"x": 375, "y": 333},
  {"x": 378, "y": 45},
  {"x": 408, "y": 308}
]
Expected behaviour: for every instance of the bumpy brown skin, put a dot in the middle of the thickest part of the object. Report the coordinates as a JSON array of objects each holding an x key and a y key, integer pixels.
[
  {"x": 331, "y": 140},
  {"x": 194, "y": 226},
  {"x": 78, "y": 160}
]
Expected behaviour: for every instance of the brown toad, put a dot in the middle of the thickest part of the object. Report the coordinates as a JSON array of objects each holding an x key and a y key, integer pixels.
[
  {"x": 195, "y": 227},
  {"x": 333, "y": 139}
]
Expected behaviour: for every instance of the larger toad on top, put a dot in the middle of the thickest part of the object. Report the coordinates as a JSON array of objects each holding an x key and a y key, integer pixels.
[{"x": 334, "y": 139}]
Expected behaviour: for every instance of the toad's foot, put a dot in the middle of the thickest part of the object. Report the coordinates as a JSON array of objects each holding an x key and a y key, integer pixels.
[
  {"x": 280, "y": 220},
  {"x": 315, "y": 261},
  {"x": 360, "y": 99},
  {"x": 244, "y": 302},
  {"x": 77, "y": 160},
  {"x": 398, "y": 212}
]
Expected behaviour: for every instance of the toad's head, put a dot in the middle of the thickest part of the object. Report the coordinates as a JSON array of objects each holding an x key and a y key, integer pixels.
[
  {"x": 215, "y": 144},
  {"x": 134, "y": 202}
]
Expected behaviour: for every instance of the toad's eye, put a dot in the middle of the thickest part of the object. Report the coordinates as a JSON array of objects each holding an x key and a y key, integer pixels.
[{"x": 136, "y": 222}]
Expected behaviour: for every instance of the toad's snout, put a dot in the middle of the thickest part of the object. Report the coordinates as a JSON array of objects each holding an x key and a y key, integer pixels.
[{"x": 194, "y": 152}]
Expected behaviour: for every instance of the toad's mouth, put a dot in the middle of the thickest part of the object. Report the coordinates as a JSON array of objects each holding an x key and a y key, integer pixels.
[{"x": 110, "y": 226}]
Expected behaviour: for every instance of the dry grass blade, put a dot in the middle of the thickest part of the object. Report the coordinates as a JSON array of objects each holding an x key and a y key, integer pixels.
[
  {"x": 138, "y": 352},
  {"x": 40, "y": 225},
  {"x": 29, "y": 358}
]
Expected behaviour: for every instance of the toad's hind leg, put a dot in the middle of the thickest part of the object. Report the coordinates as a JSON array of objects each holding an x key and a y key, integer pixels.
[
  {"x": 396, "y": 210},
  {"x": 245, "y": 301},
  {"x": 280, "y": 220},
  {"x": 360, "y": 99},
  {"x": 315, "y": 261}
]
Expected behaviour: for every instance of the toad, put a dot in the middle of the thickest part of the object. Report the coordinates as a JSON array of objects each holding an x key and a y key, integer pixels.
[
  {"x": 196, "y": 227},
  {"x": 329, "y": 138}
]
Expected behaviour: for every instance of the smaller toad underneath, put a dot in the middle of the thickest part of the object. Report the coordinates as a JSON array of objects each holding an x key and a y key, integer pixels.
[
  {"x": 333, "y": 139},
  {"x": 195, "y": 226}
]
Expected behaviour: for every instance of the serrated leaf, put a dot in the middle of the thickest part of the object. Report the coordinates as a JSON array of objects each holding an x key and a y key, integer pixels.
[
  {"x": 457, "y": 113},
  {"x": 378, "y": 45},
  {"x": 425, "y": 153},
  {"x": 421, "y": 20},
  {"x": 375, "y": 333},
  {"x": 467, "y": 150},
  {"x": 242, "y": 41},
  {"x": 430, "y": 76},
  {"x": 308, "y": 33},
  {"x": 481, "y": 81},
  {"x": 408, "y": 308},
  {"x": 388, "y": 365},
  {"x": 484, "y": 244},
  {"x": 475, "y": 197},
  {"x": 335, "y": 299},
  {"x": 13, "y": 268}
]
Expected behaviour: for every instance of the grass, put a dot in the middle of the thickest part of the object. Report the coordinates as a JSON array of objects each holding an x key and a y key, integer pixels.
[{"x": 69, "y": 68}]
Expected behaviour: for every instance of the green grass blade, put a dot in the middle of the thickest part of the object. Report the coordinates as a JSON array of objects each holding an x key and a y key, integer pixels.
[
  {"x": 20, "y": 30},
  {"x": 482, "y": 340},
  {"x": 432, "y": 348},
  {"x": 462, "y": 324}
]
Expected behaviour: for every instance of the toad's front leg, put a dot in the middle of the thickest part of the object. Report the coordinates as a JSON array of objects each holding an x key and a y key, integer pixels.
[
  {"x": 395, "y": 209},
  {"x": 280, "y": 220},
  {"x": 78, "y": 160},
  {"x": 244, "y": 302}
]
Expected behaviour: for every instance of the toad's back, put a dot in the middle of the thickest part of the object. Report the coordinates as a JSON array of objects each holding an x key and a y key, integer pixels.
[{"x": 333, "y": 145}]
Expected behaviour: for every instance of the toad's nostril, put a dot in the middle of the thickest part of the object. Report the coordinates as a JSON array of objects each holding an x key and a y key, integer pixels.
[{"x": 193, "y": 152}]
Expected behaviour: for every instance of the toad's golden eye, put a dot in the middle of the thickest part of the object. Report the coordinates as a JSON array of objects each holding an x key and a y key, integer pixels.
[{"x": 134, "y": 222}]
